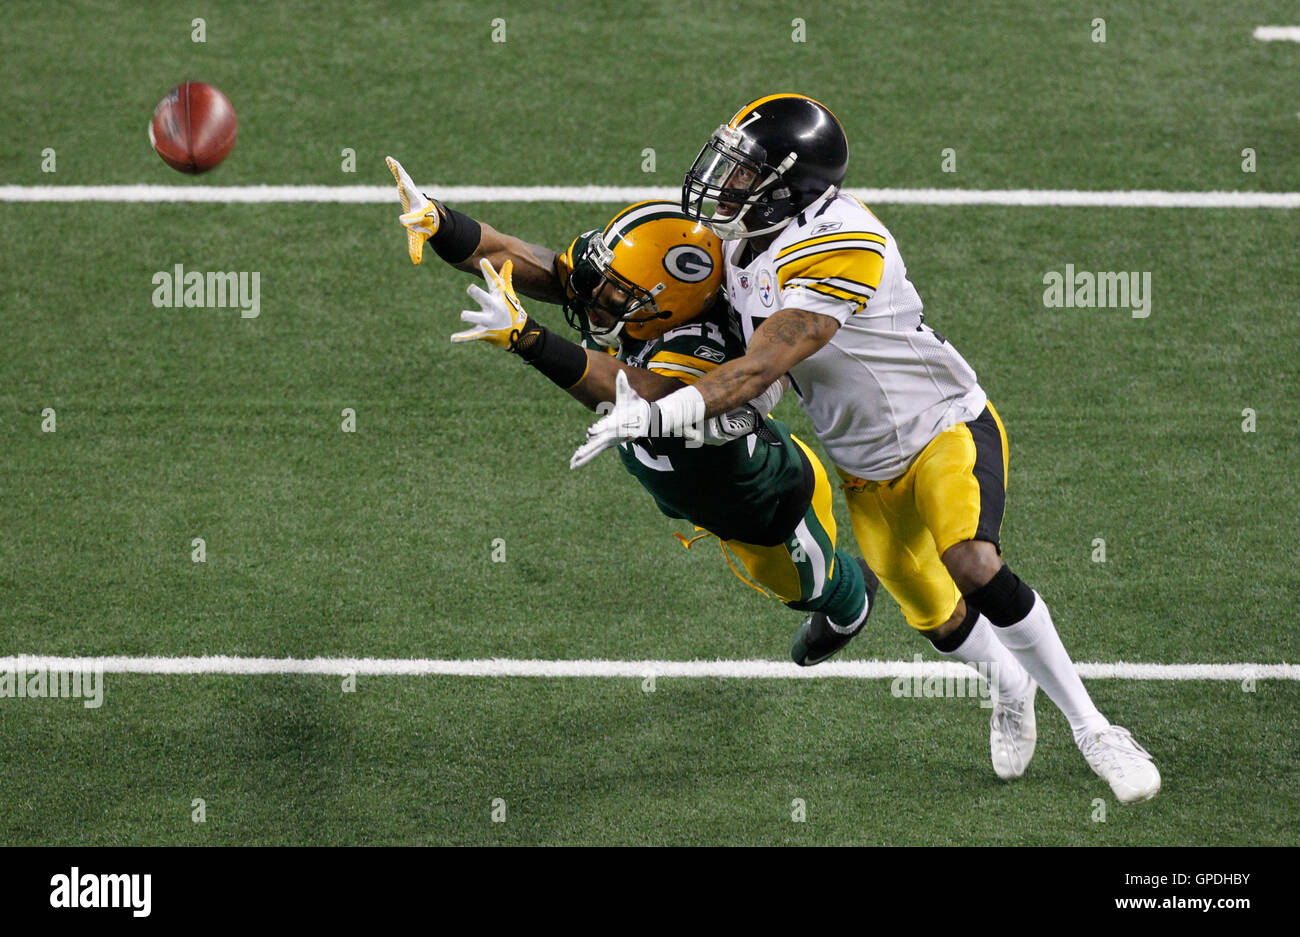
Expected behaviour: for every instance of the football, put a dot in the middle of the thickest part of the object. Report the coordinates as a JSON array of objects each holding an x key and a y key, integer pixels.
[{"x": 193, "y": 127}]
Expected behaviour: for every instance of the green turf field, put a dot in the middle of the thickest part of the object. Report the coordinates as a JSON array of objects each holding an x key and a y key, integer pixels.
[{"x": 181, "y": 423}]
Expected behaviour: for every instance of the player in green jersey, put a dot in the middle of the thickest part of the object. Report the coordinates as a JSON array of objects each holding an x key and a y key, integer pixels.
[{"x": 643, "y": 292}]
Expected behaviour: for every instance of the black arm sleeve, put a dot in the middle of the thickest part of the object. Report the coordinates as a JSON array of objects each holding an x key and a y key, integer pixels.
[
  {"x": 458, "y": 234},
  {"x": 562, "y": 361}
]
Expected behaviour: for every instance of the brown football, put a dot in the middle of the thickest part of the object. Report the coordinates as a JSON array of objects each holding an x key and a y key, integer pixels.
[{"x": 193, "y": 127}]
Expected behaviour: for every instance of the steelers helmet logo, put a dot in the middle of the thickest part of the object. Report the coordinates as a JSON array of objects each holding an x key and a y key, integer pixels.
[{"x": 688, "y": 263}]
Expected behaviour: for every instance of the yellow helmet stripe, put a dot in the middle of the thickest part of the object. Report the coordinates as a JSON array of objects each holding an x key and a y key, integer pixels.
[
  {"x": 639, "y": 205},
  {"x": 749, "y": 108},
  {"x": 637, "y": 214}
]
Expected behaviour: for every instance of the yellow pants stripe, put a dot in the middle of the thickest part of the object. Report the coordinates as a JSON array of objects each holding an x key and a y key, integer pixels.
[{"x": 790, "y": 569}]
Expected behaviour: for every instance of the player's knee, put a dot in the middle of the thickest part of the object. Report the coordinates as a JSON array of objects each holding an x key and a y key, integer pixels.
[
  {"x": 1004, "y": 600},
  {"x": 972, "y": 564},
  {"x": 948, "y": 627},
  {"x": 953, "y": 633}
]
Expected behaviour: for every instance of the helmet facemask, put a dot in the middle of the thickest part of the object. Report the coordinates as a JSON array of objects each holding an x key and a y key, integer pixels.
[
  {"x": 577, "y": 303},
  {"x": 733, "y": 172},
  {"x": 618, "y": 300}
]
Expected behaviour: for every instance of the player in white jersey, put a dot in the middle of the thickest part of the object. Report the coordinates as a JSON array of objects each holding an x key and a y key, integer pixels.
[
  {"x": 885, "y": 384},
  {"x": 822, "y": 294}
]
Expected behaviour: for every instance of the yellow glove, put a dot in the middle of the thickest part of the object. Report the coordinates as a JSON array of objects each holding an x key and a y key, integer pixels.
[
  {"x": 419, "y": 216},
  {"x": 499, "y": 315}
]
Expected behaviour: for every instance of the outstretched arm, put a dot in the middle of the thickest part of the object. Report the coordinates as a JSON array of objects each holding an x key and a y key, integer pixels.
[
  {"x": 782, "y": 341},
  {"x": 464, "y": 243},
  {"x": 588, "y": 376},
  {"x": 535, "y": 275},
  {"x": 597, "y": 385}
]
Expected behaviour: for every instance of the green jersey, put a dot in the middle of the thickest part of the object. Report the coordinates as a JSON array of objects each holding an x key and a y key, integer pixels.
[{"x": 749, "y": 489}]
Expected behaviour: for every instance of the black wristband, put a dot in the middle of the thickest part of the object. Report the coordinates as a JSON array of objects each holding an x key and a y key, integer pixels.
[
  {"x": 563, "y": 362},
  {"x": 458, "y": 234}
]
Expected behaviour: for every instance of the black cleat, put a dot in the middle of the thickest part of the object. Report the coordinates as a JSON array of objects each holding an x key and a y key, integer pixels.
[{"x": 816, "y": 640}]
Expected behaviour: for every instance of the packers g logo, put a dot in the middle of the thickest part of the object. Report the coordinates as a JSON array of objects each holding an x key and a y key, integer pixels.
[{"x": 688, "y": 263}]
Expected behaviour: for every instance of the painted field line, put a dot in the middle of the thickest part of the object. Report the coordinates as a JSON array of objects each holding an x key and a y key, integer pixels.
[
  {"x": 375, "y": 194},
  {"x": 1277, "y": 33},
  {"x": 508, "y": 667}
]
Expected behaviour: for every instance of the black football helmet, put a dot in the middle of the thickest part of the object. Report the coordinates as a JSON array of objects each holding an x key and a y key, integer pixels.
[{"x": 777, "y": 156}]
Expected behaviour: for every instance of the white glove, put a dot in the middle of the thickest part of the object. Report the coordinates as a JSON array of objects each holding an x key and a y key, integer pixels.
[
  {"x": 679, "y": 414},
  {"x": 500, "y": 314},
  {"x": 419, "y": 216}
]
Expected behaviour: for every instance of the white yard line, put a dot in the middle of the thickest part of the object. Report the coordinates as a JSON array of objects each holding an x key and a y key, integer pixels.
[
  {"x": 509, "y": 667},
  {"x": 377, "y": 194},
  {"x": 1277, "y": 33}
]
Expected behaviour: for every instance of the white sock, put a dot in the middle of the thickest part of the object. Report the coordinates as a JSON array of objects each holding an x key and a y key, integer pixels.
[
  {"x": 1035, "y": 643},
  {"x": 856, "y": 623},
  {"x": 982, "y": 647}
]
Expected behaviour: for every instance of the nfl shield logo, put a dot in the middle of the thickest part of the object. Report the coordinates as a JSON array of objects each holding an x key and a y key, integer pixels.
[{"x": 744, "y": 281}]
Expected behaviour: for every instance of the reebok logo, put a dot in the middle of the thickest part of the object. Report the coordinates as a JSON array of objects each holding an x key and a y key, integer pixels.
[{"x": 709, "y": 354}]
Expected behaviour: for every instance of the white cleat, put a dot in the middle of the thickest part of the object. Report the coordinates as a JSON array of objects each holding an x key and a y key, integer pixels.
[
  {"x": 1013, "y": 734},
  {"x": 1125, "y": 764}
]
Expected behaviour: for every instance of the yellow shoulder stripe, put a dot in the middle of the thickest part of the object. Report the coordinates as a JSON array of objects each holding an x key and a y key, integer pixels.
[
  {"x": 672, "y": 357},
  {"x": 854, "y": 266},
  {"x": 851, "y": 287},
  {"x": 683, "y": 376},
  {"x": 834, "y": 292},
  {"x": 830, "y": 239}
]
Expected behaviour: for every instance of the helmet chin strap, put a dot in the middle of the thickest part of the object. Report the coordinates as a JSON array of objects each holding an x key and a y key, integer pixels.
[
  {"x": 742, "y": 233},
  {"x": 761, "y": 231},
  {"x": 611, "y": 339},
  {"x": 733, "y": 229}
]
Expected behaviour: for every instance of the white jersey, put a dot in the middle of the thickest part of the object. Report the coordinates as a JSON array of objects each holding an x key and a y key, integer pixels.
[{"x": 886, "y": 383}]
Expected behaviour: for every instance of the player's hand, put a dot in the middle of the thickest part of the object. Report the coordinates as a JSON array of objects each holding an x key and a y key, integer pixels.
[
  {"x": 630, "y": 419},
  {"x": 419, "y": 216},
  {"x": 500, "y": 315}
]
